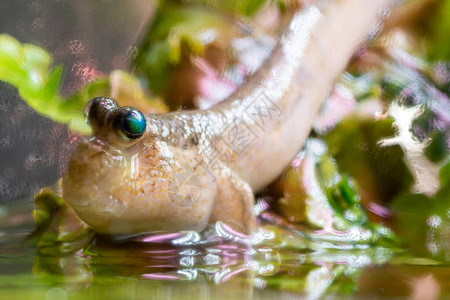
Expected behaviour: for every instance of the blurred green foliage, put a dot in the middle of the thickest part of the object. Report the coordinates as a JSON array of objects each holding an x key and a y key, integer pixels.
[
  {"x": 237, "y": 7},
  {"x": 189, "y": 26},
  {"x": 380, "y": 171},
  {"x": 172, "y": 28},
  {"x": 438, "y": 36},
  {"x": 424, "y": 222},
  {"x": 29, "y": 69},
  {"x": 314, "y": 193}
]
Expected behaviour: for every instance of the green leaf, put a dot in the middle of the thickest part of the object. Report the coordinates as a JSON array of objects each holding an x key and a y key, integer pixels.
[{"x": 29, "y": 69}]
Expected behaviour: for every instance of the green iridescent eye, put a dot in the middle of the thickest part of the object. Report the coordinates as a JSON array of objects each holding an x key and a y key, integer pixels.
[{"x": 131, "y": 122}]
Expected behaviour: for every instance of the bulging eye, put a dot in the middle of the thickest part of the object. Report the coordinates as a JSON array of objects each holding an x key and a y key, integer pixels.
[
  {"x": 130, "y": 122},
  {"x": 97, "y": 108}
]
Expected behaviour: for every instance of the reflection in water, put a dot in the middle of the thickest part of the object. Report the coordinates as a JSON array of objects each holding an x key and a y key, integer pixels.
[
  {"x": 218, "y": 257},
  {"x": 219, "y": 263}
]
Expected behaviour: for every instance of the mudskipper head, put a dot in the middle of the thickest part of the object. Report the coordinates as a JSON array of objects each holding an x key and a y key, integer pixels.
[
  {"x": 94, "y": 184},
  {"x": 127, "y": 180}
]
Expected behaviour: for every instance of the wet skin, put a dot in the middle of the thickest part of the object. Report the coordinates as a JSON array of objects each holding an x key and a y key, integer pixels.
[{"x": 188, "y": 169}]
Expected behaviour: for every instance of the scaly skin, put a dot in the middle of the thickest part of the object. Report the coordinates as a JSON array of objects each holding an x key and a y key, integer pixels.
[{"x": 224, "y": 154}]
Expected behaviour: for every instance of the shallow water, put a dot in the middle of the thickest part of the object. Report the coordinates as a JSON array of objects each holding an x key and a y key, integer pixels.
[{"x": 173, "y": 267}]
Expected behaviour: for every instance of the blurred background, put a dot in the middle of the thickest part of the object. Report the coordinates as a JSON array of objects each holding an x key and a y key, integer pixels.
[{"x": 89, "y": 38}]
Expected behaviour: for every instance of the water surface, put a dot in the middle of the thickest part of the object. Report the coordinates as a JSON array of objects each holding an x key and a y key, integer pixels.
[{"x": 179, "y": 266}]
